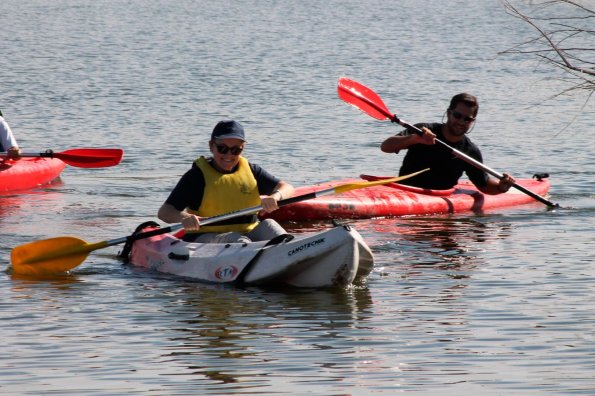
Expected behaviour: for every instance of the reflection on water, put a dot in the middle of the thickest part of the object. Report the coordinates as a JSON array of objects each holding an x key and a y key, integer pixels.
[
  {"x": 447, "y": 241},
  {"x": 36, "y": 199},
  {"x": 228, "y": 335},
  {"x": 430, "y": 253},
  {"x": 59, "y": 281}
]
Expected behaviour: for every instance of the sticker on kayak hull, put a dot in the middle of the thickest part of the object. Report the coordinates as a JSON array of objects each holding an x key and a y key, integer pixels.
[{"x": 228, "y": 272}]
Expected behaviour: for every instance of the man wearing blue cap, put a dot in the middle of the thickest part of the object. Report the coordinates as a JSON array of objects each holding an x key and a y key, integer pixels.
[{"x": 224, "y": 183}]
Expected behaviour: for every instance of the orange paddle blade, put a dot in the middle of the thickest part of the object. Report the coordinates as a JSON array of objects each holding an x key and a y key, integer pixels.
[{"x": 49, "y": 255}]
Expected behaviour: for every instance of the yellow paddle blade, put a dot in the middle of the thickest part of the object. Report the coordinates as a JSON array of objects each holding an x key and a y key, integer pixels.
[
  {"x": 50, "y": 255},
  {"x": 354, "y": 186}
]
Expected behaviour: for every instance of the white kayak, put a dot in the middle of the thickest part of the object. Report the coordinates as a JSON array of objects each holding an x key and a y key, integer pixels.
[{"x": 333, "y": 257}]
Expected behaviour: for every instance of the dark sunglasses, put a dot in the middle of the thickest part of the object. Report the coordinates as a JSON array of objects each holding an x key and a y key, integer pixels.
[
  {"x": 458, "y": 116},
  {"x": 223, "y": 149}
]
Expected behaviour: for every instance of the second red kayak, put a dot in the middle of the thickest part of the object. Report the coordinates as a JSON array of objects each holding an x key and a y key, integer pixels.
[
  {"x": 28, "y": 173},
  {"x": 394, "y": 199}
]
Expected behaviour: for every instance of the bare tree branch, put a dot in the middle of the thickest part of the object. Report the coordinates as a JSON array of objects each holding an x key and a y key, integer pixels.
[
  {"x": 566, "y": 56},
  {"x": 563, "y": 28}
]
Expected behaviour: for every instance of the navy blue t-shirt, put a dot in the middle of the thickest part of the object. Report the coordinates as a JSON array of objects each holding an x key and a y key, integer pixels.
[
  {"x": 189, "y": 191},
  {"x": 445, "y": 167}
]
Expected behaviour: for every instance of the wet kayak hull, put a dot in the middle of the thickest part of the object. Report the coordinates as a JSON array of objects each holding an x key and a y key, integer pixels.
[
  {"x": 28, "y": 173},
  {"x": 399, "y": 200},
  {"x": 334, "y": 257}
]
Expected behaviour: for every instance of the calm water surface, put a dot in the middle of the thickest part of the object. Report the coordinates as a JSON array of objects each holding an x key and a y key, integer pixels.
[{"x": 477, "y": 303}]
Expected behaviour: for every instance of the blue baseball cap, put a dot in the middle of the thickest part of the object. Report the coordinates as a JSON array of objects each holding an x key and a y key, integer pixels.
[{"x": 228, "y": 129}]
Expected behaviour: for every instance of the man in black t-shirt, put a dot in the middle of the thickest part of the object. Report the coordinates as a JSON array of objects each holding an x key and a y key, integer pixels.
[{"x": 445, "y": 167}]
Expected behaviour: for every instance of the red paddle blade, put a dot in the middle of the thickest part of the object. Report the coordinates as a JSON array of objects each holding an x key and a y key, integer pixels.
[
  {"x": 363, "y": 98},
  {"x": 91, "y": 157}
]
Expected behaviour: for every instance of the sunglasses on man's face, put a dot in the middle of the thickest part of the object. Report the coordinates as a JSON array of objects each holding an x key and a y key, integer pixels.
[
  {"x": 223, "y": 149},
  {"x": 459, "y": 116}
]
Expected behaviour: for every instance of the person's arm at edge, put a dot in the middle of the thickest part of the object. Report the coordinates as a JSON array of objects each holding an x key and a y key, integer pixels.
[{"x": 8, "y": 140}]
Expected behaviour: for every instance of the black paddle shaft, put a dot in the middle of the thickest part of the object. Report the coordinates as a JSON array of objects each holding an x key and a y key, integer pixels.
[{"x": 474, "y": 162}]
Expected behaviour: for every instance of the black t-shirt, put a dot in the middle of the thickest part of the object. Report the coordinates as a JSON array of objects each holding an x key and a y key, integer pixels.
[
  {"x": 445, "y": 167},
  {"x": 189, "y": 191}
]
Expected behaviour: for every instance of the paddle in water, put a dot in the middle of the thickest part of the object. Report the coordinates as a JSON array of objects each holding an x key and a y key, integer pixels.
[
  {"x": 82, "y": 157},
  {"x": 369, "y": 102},
  {"x": 61, "y": 254}
]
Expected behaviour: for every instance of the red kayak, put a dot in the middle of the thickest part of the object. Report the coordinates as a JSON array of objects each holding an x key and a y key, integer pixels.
[
  {"x": 28, "y": 173},
  {"x": 394, "y": 199}
]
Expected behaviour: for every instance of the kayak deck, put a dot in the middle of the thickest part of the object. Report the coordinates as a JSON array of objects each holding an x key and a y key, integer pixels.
[{"x": 395, "y": 199}]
